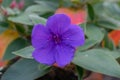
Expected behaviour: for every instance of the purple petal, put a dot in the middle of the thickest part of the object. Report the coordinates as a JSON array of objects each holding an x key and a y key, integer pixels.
[
  {"x": 74, "y": 36},
  {"x": 58, "y": 23},
  {"x": 44, "y": 56},
  {"x": 40, "y": 36},
  {"x": 64, "y": 55}
]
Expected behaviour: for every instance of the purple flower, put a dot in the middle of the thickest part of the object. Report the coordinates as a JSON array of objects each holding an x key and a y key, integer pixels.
[{"x": 56, "y": 41}]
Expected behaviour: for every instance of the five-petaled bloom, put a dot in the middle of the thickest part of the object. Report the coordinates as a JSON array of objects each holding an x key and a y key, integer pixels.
[{"x": 56, "y": 41}]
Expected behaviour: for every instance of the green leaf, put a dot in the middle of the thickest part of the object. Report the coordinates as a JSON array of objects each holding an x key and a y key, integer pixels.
[
  {"x": 36, "y": 19},
  {"x": 98, "y": 60},
  {"x": 83, "y": 25},
  {"x": 106, "y": 18},
  {"x": 14, "y": 46},
  {"x": 21, "y": 29},
  {"x": 94, "y": 33},
  {"x": 25, "y": 52},
  {"x": 107, "y": 24},
  {"x": 39, "y": 9},
  {"x": 3, "y": 26},
  {"x": 88, "y": 44},
  {"x": 90, "y": 11},
  {"x": 13, "y": 11},
  {"x": 115, "y": 54},
  {"x": 111, "y": 8},
  {"x": 25, "y": 69},
  {"x": 80, "y": 72},
  {"x": 28, "y": 19}
]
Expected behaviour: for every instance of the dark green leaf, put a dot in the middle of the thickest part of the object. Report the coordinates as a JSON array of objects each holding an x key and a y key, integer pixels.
[
  {"x": 3, "y": 26},
  {"x": 98, "y": 60},
  {"x": 21, "y": 29},
  {"x": 90, "y": 11},
  {"x": 107, "y": 24},
  {"x": 25, "y": 69},
  {"x": 14, "y": 46}
]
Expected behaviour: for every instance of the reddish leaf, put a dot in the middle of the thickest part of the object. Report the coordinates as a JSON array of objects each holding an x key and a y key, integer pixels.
[
  {"x": 6, "y": 38},
  {"x": 77, "y": 16},
  {"x": 115, "y": 36}
]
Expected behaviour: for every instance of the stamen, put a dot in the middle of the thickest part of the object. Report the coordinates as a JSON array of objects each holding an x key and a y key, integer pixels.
[{"x": 57, "y": 39}]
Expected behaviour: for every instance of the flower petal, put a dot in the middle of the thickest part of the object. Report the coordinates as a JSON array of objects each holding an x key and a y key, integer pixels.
[
  {"x": 44, "y": 56},
  {"x": 58, "y": 23},
  {"x": 40, "y": 36},
  {"x": 74, "y": 36},
  {"x": 64, "y": 54}
]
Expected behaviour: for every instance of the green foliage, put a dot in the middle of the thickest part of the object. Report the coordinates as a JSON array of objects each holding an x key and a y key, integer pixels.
[
  {"x": 98, "y": 60},
  {"x": 42, "y": 7},
  {"x": 3, "y": 26},
  {"x": 88, "y": 44},
  {"x": 98, "y": 54},
  {"x": 91, "y": 11},
  {"x": 28, "y": 19},
  {"x": 94, "y": 33},
  {"x": 109, "y": 17},
  {"x": 25, "y": 69},
  {"x": 95, "y": 60},
  {"x": 25, "y": 52},
  {"x": 107, "y": 24},
  {"x": 13, "y": 46}
]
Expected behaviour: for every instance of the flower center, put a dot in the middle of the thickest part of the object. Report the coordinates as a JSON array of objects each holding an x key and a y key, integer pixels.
[{"x": 57, "y": 39}]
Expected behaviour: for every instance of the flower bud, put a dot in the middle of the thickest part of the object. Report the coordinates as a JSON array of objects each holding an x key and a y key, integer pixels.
[
  {"x": 13, "y": 4},
  {"x": 21, "y": 4}
]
